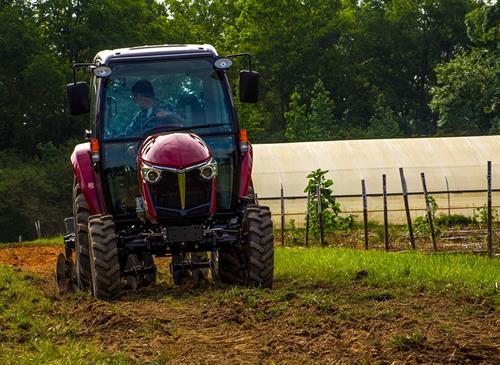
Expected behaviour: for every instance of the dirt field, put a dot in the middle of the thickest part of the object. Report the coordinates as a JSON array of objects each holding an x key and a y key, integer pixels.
[{"x": 292, "y": 324}]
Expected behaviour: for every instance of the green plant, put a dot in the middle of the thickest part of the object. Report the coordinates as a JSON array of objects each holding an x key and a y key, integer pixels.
[
  {"x": 421, "y": 224},
  {"x": 332, "y": 220},
  {"x": 444, "y": 220},
  {"x": 481, "y": 214},
  {"x": 294, "y": 234}
]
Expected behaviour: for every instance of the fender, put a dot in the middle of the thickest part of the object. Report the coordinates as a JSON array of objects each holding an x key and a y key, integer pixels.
[
  {"x": 246, "y": 171},
  {"x": 84, "y": 173}
]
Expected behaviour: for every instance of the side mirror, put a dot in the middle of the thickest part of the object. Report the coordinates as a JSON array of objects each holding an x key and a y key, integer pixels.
[
  {"x": 78, "y": 98},
  {"x": 249, "y": 86}
]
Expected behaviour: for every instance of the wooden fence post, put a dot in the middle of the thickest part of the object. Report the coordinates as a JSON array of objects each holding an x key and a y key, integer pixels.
[
  {"x": 365, "y": 211},
  {"x": 320, "y": 217},
  {"x": 490, "y": 218},
  {"x": 282, "y": 216},
  {"x": 429, "y": 212},
  {"x": 386, "y": 220},
  {"x": 407, "y": 206},
  {"x": 308, "y": 214}
]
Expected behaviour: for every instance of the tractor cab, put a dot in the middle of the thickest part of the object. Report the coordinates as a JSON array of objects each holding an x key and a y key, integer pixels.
[
  {"x": 151, "y": 97},
  {"x": 166, "y": 169}
]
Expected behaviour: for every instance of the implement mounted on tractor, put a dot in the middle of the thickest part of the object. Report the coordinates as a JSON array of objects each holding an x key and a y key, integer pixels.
[{"x": 165, "y": 171}]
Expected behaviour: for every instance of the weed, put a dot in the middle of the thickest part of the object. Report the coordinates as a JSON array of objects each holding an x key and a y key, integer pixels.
[
  {"x": 481, "y": 214},
  {"x": 403, "y": 342}
]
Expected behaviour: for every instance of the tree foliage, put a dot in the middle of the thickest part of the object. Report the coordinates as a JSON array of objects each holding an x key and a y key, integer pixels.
[
  {"x": 467, "y": 93},
  {"x": 331, "y": 69}
]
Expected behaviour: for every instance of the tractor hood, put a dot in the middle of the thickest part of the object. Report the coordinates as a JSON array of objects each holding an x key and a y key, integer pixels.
[
  {"x": 177, "y": 175},
  {"x": 174, "y": 150}
]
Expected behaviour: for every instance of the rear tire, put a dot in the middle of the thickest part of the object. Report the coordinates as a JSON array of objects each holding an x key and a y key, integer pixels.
[
  {"x": 231, "y": 266},
  {"x": 104, "y": 260},
  {"x": 81, "y": 214}
]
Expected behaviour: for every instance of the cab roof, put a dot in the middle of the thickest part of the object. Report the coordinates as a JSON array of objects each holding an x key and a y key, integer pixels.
[{"x": 104, "y": 57}]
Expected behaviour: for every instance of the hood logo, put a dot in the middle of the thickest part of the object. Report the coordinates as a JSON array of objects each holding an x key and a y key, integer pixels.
[{"x": 181, "y": 178}]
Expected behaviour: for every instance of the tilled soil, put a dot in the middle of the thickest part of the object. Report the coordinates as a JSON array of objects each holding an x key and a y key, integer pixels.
[{"x": 292, "y": 324}]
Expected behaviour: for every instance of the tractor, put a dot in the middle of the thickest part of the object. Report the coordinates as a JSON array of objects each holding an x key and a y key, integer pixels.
[{"x": 165, "y": 172}]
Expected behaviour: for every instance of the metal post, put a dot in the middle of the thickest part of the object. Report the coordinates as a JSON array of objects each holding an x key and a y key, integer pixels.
[
  {"x": 429, "y": 212},
  {"x": 256, "y": 199},
  {"x": 38, "y": 229},
  {"x": 365, "y": 211},
  {"x": 282, "y": 216},
  {"x": 386, "y": 221},
  {"x": 407, "y": 207},
  {"x": 320, "y": 217},
  {"x": 308, "y": 214},
  {"x": 448, "y": 191},
  {"x": 490, "y": 218}
]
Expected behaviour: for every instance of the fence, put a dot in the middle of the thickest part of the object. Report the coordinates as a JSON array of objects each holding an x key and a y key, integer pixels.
[{"x": 387, "y": 208}]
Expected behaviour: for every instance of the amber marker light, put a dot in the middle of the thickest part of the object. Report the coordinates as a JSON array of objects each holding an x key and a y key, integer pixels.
[
  {"x": 243, "y": 140},
  {"x": 94, "y": 149}
]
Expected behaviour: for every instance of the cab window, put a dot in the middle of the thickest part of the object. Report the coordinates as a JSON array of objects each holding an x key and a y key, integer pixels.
[{"x": 143, "y": 96}]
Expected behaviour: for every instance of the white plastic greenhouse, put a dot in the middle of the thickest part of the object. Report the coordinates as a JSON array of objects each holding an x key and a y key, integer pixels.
[{"x": 455, "y": 170}]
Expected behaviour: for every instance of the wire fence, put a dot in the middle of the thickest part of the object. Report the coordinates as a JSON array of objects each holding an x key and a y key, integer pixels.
[{"x": 403, "y": 209}]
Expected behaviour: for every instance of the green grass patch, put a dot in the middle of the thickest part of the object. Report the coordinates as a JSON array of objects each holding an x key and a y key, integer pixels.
[
  {"x": 32, "y": 331},
  {"x": 464, "y": 273},
  {"x": 407, "y": 342},
  {"x": 47, "y": 241}
]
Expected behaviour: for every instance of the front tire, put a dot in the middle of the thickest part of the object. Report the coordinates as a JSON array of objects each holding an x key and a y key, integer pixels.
[
  {"x": 252, "y": 263},
  {"x": 104, "y": 260},
  {"x": 81, "y": 214},
  {"x": 259, "y": 246}
]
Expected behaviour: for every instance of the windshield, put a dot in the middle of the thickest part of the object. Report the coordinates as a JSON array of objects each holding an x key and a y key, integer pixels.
[{"x": 143, "y": 97}]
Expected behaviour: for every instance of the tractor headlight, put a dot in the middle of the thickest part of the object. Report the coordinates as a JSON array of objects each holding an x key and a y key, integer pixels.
[
  {"x": 209, "y": 170},
  {"x": 150, "y": 174}
]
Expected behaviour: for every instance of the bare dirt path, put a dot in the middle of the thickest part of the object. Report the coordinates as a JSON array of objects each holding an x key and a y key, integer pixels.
[
  {"x": 292, "y": 324},
  {"x": 39, "y": 259}
]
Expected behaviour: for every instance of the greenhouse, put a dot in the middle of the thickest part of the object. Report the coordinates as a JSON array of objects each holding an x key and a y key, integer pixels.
[{"x": 455, "y": 169}]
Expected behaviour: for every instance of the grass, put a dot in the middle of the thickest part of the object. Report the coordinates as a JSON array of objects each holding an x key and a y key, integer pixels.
[
  {"x": 47, "y": 241},
  {"x": 462, "y": 273},
  {"x": 342, "y": 284},
  {"x": 406, "y": 342},
  {"x": 33, "y": 332}
]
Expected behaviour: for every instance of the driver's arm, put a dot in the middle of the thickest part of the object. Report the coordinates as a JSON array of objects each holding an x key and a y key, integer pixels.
[{"x": 131, "y": 130}]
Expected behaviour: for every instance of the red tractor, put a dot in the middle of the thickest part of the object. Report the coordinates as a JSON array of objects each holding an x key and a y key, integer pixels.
[{"x": 165, "y": 171}]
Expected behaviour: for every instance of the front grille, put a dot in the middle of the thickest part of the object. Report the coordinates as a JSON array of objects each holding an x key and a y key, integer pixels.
[{"x": 166, "y": 195}]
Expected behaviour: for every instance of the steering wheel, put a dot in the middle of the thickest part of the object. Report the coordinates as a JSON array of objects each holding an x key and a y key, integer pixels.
[{"x": 169, "y": 120}]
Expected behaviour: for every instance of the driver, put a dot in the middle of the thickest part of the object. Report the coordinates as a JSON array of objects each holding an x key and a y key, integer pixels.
[{"x": 150, "y": 114}]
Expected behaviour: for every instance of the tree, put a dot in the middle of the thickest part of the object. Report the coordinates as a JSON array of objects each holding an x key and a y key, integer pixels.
[
  {"x": 467, "y": 93},
  {"x": 297, "y": 120},
  {"x": 384, "y": 123},
  {"x": 316, "y": 122}
]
